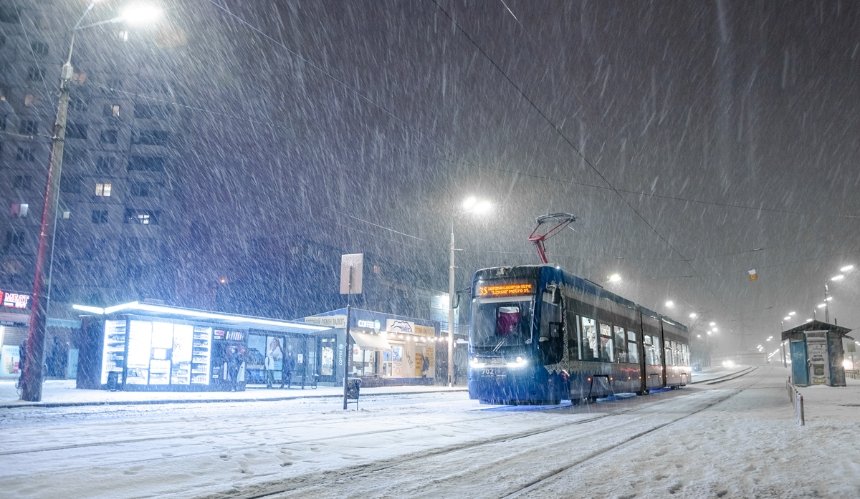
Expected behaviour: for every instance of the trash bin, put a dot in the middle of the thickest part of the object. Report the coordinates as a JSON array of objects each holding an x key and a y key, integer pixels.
[
  {"x": 113, "y": 381},
  {"x": 353, "y": 387}
]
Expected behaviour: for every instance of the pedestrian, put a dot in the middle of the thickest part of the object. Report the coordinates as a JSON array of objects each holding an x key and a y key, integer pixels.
[
  {"x": 233, "y": 365},
  {"x": 274, "y": 352},
  {"x": 287, "y": 369},
  {"x": 22, "y": 360}
]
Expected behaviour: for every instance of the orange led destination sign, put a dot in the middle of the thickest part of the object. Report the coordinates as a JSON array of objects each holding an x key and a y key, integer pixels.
[{"x": 509, "y": 289}]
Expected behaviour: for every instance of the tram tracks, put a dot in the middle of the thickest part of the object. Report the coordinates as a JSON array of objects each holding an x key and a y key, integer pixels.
[
  {"x": 535, "y": 484},
  {"x": 401, "y": 469}
]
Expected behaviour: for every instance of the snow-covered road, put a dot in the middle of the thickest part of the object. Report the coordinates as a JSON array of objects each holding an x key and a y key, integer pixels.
[{"x": 736, "y": 438}]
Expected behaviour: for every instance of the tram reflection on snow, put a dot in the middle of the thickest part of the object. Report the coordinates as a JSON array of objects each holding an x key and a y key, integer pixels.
[{"x": 540, "y": 335}]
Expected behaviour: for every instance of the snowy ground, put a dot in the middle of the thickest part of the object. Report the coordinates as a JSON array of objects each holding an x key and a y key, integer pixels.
[{"x": 736, "y": 438}]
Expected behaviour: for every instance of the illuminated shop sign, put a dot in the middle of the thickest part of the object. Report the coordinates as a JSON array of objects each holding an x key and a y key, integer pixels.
[
  {"x": 369, "y": 324},
  {"x": 14, "y": 300},
  {"x": 507, "y": 289},
  {"x": 399, "y": 326},
  {"x": 221, "y": 334}
]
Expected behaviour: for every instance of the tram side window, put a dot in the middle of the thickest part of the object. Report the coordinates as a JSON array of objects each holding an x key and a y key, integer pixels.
[
  {"x": 573, "y": 333},
  {"x": 589, "y": 339},
  {"x": 686, "y": 355},
  {"x": 652, "y": 350},
  {"x": 670, "y": 354},
  {"x": 632, "y": 348},
  {"x": 607, "y": 353},
  {"x": 658, "y": 355},
  {"x": 620, "y": 344}
]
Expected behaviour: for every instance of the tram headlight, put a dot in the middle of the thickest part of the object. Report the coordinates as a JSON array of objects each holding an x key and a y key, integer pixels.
[
  {"x": 519, "y": 362},
  {"x": 476, "y": 364}
]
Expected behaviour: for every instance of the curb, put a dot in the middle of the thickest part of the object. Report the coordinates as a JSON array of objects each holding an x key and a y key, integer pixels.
[{"x": 49, "y": 405}]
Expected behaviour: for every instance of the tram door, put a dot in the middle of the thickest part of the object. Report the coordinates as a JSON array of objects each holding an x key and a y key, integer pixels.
[{"x": 799, "y": 371}]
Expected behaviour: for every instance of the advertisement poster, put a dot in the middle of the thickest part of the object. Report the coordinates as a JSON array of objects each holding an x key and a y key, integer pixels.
[
  {"x": 9, "y": 364},
  {"x": 139, "y": 345}
]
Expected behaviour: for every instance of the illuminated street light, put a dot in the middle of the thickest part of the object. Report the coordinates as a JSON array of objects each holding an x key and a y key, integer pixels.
[
  {"x": 693, "y": 315},
  {"x": 792, "y": 313},
  {"x": 32, "y": 375},
  {"x": 471, "y": 205},
  {"x": 822, "y": 305},
  {"x": 139, "y": 14},
  {"x": 837, "y": 277},
  {"x": 712, "y": 323},
  {"x": 787, "y": 318},
  {"x": 615, "y": 278},
  {"x": 670, "y": 304},
  {"x": 847, "y": 268}
]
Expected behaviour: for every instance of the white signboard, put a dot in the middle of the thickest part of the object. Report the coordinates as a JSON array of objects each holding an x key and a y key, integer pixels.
[
  {"x": 351, "y": 270},
  {"x": 338, "y": 321}
]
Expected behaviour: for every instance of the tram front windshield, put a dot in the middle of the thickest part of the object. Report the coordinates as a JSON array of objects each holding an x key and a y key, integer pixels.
[{"x": 498, "y": 324}]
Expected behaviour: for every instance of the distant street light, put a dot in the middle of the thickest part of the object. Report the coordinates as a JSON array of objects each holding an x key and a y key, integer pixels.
[
  {"x": 670, "y": 304},
  {"x": 847, "y": 268},
  {"x": 712, "y": 323},
  {"x": 470, "y": 205},
  {"x": 693, "y": 315},
  {"x": 31, "y": 377},
  {"x": 614, "y": 278}
]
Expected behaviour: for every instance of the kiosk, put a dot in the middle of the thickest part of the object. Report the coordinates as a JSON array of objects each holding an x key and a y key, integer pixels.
[{"x": 816, "y": 353}]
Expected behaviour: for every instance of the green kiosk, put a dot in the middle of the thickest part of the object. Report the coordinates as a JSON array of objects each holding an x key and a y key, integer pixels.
[{"x": 816, "y": 353}]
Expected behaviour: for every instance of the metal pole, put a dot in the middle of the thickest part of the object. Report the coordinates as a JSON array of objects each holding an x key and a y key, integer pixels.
[
  {"x": 451, "y": 291},
  {"x": 826, "y": 306},
  {"x": 348, "y": 349},
  {"x": 31, "y": 377}
]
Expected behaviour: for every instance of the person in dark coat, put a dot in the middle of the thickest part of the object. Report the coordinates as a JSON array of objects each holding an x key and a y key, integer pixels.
[
  {"x": 233, "y": 364},
  {"x": 287, "y": 369}
]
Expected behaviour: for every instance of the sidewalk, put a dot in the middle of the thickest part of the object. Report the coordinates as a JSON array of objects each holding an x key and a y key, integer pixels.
[{"x": 58, "y": 393}]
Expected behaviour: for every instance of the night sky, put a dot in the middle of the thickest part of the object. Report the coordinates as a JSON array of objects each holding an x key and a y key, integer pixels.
[{"x": 694, "y": 141}]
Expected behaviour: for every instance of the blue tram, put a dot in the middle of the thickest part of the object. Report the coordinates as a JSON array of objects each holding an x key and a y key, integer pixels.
[{"x": 541, "y": 335}]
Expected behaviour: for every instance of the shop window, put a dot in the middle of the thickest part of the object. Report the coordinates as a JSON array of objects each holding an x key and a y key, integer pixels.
[
  {"x": 28, "y": 127},
  {"x": 19, "y": 210},
  {"x": 25, "y": 154},
  {"x": 100, "y": 216},
  {"x": 103, "y": 189}
]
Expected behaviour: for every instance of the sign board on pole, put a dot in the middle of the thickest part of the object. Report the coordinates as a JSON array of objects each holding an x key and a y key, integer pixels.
[{"x": 351, "y": 269}]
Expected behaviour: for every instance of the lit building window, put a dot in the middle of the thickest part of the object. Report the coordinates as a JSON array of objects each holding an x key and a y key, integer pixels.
[
  {"x": 29, "y": 100},
  {"x": 103, "y": 189},
  {"x": 114, "y": 109},
  {"x": 20, "y": 210},
  {"x": 67, "y": 214}
]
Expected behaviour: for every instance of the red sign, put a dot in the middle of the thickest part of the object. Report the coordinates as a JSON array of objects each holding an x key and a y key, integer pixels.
[{"x": 14, "y": 300}]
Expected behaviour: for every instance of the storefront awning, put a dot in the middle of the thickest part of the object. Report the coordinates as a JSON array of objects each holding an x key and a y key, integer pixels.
[{"x": 370, "y": 341}]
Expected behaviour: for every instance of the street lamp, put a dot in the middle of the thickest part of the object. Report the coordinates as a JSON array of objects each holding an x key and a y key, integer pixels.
[
  {"x": 31, "y": 377},
  {"x": 475, "y": 206}
]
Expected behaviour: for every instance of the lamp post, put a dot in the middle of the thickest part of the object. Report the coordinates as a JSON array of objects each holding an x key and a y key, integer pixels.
[
  {"x": 470, "y": 205},
  {"x": 31, "y": 377}
]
